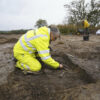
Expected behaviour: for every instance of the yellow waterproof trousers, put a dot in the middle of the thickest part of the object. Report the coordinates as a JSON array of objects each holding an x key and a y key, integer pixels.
[{"x": 28, "y": 62}]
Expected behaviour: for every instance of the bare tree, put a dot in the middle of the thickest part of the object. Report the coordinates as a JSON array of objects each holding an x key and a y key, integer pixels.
[
  {"x": 94, "y": 14},
  {"x": 79, "y": 10},
  {"x": 41, "y": 23}
]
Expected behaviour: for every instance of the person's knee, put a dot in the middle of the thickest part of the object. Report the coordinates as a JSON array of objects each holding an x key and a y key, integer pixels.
[{"x": 36, "y": 68}]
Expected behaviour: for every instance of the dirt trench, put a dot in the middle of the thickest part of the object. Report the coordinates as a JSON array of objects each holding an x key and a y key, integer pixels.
[
  {"x": 71, "y": 83},
  {"x": 48, "y": 85}
]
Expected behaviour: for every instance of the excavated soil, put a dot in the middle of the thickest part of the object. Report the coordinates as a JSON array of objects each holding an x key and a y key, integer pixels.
[{"x": 79, "y": 80}]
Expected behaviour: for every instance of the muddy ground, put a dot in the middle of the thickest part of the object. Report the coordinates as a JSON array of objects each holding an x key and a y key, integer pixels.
[{"x": 79, "y": 80}]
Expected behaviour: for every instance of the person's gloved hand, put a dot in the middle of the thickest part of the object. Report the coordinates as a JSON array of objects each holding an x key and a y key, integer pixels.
[{"x": 60, "y": 66}]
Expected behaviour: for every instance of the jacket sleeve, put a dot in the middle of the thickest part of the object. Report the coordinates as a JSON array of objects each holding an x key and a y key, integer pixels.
[{"x": 44, "y": 52}]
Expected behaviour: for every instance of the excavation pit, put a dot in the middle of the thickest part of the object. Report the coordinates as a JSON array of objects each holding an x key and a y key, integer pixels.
[
  {"x": 75, "y": 82},
  {"x": 50, "y": 84}
]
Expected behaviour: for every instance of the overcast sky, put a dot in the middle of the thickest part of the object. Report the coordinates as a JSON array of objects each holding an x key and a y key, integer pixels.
[{"x": 23, "y": 14}]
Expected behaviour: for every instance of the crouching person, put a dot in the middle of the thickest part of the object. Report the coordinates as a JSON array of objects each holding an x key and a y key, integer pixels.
[{"x": 36, "y": 41}]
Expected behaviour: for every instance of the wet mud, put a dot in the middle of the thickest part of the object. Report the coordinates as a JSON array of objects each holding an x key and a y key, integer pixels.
[{"x": 75, "y": 82}]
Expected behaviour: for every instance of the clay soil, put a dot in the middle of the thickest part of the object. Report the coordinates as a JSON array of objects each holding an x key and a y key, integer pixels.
[{"x": 79, "y": 80}]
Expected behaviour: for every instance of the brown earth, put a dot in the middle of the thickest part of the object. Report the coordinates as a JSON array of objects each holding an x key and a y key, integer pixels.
[{"x": 79, "y": 80}]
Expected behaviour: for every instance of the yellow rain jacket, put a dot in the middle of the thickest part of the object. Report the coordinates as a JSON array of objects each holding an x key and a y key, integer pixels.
[
  {"x": 27, "y": 46},
  {"x": 86, "y": 24}
]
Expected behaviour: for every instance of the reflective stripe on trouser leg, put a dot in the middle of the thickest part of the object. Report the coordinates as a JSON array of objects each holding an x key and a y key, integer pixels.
[
  {"x": 22, "y": 66},
  {"x": 27, "y": 69},
  {"x": 29, "y": 60}
]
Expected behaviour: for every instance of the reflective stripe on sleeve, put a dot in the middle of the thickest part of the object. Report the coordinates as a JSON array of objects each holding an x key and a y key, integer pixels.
[
  {"x": 29, "y": 44},
  {"x": 25, "y": 37},
  {"x": 23, "y": 46},
  {"x": 30, "y": 52},
  {"x": 43, "y": 51},
  {"x": 37, "y": 36},
  {"x": 27, "y": 41},
  {"x": 45, "y": 58}
]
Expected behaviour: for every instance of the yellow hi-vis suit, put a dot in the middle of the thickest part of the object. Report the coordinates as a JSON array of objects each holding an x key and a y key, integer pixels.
[
  {"x": 86, "y": 24},
  {"x": 30, "y": 43}
]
